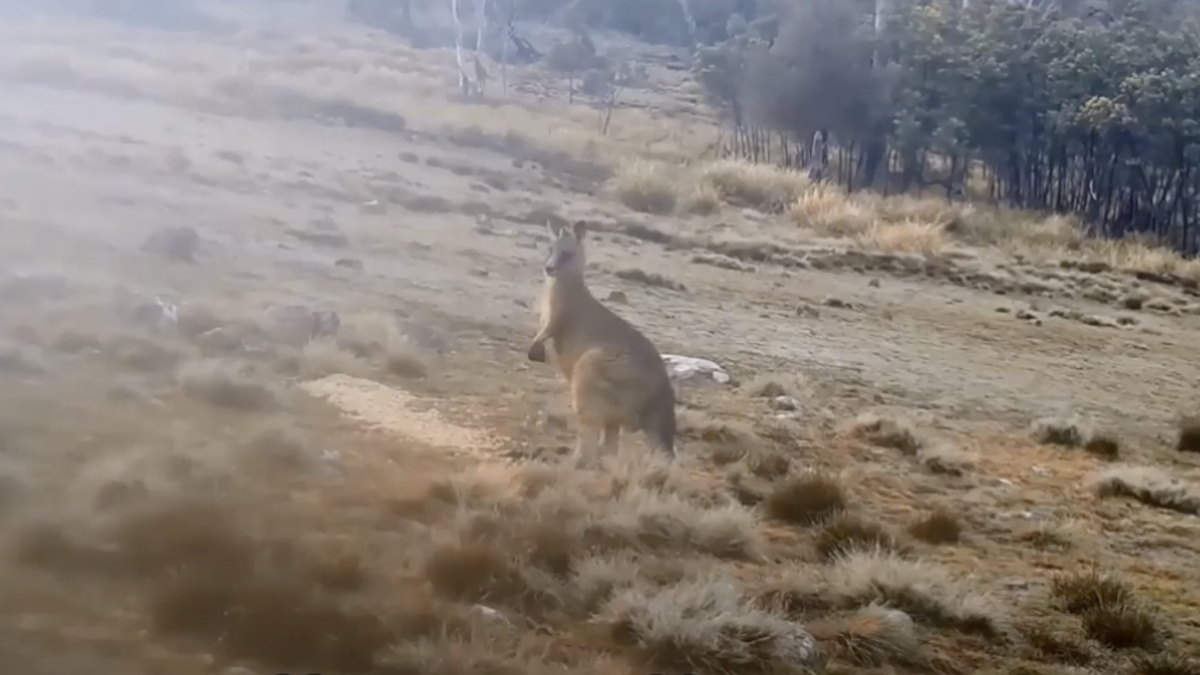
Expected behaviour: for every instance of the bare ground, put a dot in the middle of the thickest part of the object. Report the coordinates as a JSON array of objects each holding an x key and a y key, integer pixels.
[{"x": 386, "y": 498}]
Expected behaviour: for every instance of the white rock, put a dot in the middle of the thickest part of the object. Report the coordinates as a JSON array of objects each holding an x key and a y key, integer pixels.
[{"x": 682, "y": 368}]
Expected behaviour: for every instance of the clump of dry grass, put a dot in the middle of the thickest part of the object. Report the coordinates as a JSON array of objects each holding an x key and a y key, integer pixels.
[
  {"x": 324, "y": 356},
  {"x": 887, "y": 432},
  {"x": 848, "y": 533},
  {"x": 1125, "y": 626},
  {"x": 770, "y": 386},
  {"x": 923, "y": 590},
  {"x": 276, "y": 619},
  {"x": 1103, "y": 444},
  {"x": 1050, "y": 536},
  {"x": 728, "y": 440},
  {"x": 1165, "y": 663},
  {"x": 1136, "y": 254},
  {"x": 209, "y": 579},
  {"x": 1084, "y": 591},
  {"x": 404, "y": 359},
  {"x": 906, "y": 237},
  {"x": 1188, "y": 439},
  {"x": 759, "y": 186},
  {"x": 227, "y": 385},
  {"x": 1149, "y": 485},
  {"x": 376, "y": 336},
  {"x": 642, "y": 507},
  {"x": 702, "y": 200},
  {"x": 939, "y": 527},
  {"x": 144, "y": 353},
  {"x": 767, "y": 464},
  {"x": 707, "y": 625},
  {"x": 872, "y": 636},
  {"x": 647, "y": 187},
  {"x": 944, "y": 459},
  {"x": 830, "y": 211},
  {"x": 1068, "y": 432},
  {"x": 1055, "y": 643},
  {"x": 1110, "y": 611},
  {"x": 1072, "y": 432},
  {"x": 480, "y": 571},
  {"x": 649, "y": 279},
  {"x": 277, "y": 445},
  {"x": 806, "y": 500}
]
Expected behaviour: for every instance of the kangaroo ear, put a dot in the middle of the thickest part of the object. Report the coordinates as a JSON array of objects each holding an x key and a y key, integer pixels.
[
  {"x": 580, "y": 229},
  {"x": 554, "y": 231}
]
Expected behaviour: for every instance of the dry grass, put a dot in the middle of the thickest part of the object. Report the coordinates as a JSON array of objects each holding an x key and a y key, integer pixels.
[
  {"x": 888, "y": 432},
  {"x": 806, "y": 500},
  {"x": 403, "y": 359},
  {"x": 708, "y": 625},
  {"x": 938, "y": 527},
  {"x": 1149, "y": 485},
  {"x": 647, "y": 187},
  {"x": 1110, "y": 611},
  {"x": 828, "y": 210},
  {"x": 1165, "y": 663},
  {"x": 872, "y": 636},
  {"x": 849, "y": 533},
  {"x": 753, "y": 185},
  {"x": 1103, "y": 444},
  {"x": 210, "y": 580},
  {"x": 926, "y": 592},
  {"x": 906, "y": 237},
  {"x": 324, "y": 356},
  {"x": 1068, "y": 432},
  {"x": 645, "y": 278},
  {"x": 276, "y": 444},
  {"x": 1188, "y": 439},
  {"x": 228, "y": 385},
  {"x": 1053, "y": 642},
  {"x": 772, "y": 386}
]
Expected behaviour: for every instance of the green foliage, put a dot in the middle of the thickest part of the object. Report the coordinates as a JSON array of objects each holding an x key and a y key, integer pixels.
[{"x": 1094, "y": 111}]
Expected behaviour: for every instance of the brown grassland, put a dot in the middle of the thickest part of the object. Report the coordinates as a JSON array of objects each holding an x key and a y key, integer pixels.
[{"x": 265, "y": 295}]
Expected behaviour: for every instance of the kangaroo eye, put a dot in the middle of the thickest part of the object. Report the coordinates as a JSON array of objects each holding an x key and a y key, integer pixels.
[{"x": 566, "y": 256}]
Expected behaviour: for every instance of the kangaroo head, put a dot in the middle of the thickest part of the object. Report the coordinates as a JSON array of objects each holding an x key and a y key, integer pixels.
[{"x": 566, "y": 250}]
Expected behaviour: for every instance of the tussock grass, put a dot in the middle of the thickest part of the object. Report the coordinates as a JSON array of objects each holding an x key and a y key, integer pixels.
[
  {"x": 906, "y": 237},
  {"x": 849, "y": 533},
  {"x": 752, "y": 185},
  {"x": 939, "y": 527},
  {"x": 806, "y": 499},
  {"x": 708, "y": 625},
  {"x": 1069, "y": 432},
  {"x": 1188, "y": 438},
  {"x": 227, "y": 385},
  {"x": 1149, "y": 485},
  {"x": 926, "y": 592},
  {"x": 871, "y": 636},
  {"x": 888, "y": 432},
  {"x": 1110, "y": 611},
  {"x": 324, "y": 356},
  {"x": 646, "y": 187}
]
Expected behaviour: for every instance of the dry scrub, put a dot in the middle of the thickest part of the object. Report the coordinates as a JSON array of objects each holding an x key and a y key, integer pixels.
[
  {"x": 1151, "y": 486},
  {"x": 902, "y": 224},
  {"x": 939, "y": 527},
  {"x": 708, "y": 625},
  {"x": 806, "y": 500},
  {"x": 228, "y": 385}
]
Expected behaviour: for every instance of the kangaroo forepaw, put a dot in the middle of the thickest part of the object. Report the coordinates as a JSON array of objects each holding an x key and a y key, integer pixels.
[{"x": 537, "y": 352}]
